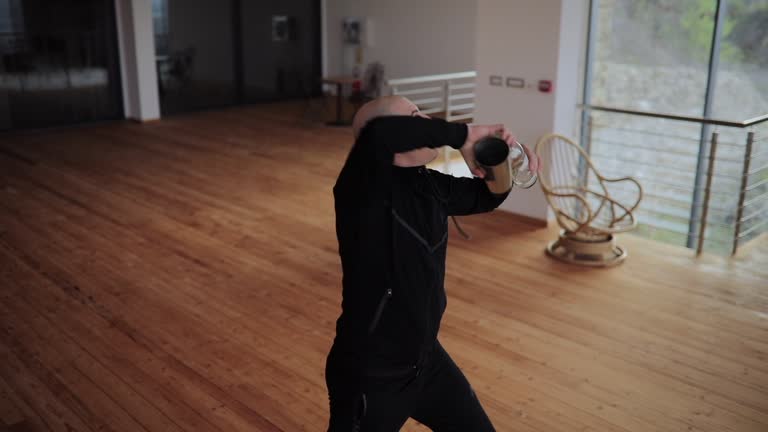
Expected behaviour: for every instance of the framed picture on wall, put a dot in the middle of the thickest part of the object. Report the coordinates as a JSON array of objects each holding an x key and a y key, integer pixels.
[
  {"x": 351, "y": 30},
  {"x": 283, "y": 28}
]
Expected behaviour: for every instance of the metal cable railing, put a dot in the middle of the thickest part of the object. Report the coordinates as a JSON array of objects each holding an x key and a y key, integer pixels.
[
  {"x": 597, "y": 126},
  {"x": 677, "y": 169},
  {"x": 700, "y": 120}
]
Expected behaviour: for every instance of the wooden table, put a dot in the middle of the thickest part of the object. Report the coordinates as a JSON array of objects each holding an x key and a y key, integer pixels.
[{"x": 339, "y": 81}]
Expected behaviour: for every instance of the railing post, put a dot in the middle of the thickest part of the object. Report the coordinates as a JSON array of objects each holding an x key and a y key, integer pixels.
[
  {"x": 447, "y": 107},
  {"x": 447, "y": 110},
  {"x": 590, "y": 122},
  {"x": 707, "y": 190},
  {"x": 447, "y": 99},
  {"x": 583, "y": 169},
  {"x": 742, "y": 191}
]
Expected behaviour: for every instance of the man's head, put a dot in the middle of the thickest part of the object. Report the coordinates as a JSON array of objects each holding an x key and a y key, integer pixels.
[{"x": 393, "y": 106}]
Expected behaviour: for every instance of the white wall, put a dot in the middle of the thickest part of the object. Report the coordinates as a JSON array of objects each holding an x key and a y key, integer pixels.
[
  {"x": 534, "y": 40},
  {"x": 410, "y": 37},
  {"x": 137, "y": 59}
]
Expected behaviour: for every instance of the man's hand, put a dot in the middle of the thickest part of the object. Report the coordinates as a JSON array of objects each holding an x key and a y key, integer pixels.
[
  {"x": 534, "y": 162},
  {"x": 477, "y": 132}
]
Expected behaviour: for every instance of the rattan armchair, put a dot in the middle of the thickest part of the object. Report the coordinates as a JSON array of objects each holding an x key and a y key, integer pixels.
[{"x": 589, "y": 207}]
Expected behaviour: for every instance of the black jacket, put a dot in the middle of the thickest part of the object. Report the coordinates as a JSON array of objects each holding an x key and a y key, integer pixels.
[{"x": 392, "y": 229}]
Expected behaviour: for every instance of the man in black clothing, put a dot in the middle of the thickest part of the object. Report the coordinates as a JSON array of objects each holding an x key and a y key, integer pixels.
[{"x": 386, "y": 363}]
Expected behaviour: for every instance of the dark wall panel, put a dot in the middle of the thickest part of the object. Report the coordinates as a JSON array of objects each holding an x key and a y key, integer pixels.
[
  {"x": 221, "y": 52},
  {"x": 282, "y": 65},
  {"x": 195, "y": 56}
]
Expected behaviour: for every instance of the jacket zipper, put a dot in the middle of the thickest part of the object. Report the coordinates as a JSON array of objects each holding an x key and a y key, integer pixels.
[{"x": 379, "y": 310}]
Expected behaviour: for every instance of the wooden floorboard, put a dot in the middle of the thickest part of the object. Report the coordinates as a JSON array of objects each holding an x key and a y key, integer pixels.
[{"x": 182, "y": 275}]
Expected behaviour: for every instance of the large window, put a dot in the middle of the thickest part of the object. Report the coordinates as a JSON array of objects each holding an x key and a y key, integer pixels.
[
  {"x": 704, "y": 58},
  {"x": 58, "y": 63}
]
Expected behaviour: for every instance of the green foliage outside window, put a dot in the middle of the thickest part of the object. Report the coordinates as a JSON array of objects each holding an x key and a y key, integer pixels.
[{"x": 745, "y": 29}]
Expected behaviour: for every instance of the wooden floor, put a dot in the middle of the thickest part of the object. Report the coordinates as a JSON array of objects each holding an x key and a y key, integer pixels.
[{"x": 183, "y": 275}]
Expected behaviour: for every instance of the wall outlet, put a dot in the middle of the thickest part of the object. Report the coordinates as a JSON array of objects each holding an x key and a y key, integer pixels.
[
  {"x": 497, "y": 80},
  {"x": 515, "y": 82}
]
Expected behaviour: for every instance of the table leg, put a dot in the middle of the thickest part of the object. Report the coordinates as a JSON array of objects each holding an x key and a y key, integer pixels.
[{"x": 338, "y": 121}]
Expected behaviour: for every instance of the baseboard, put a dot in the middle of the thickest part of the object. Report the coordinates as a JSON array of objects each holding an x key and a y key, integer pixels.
[{"x": 142, "y": 121}]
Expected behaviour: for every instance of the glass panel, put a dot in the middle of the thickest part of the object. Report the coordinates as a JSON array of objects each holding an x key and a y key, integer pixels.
[
  {"x": 741, "y": 90},
  {"x": 741, "y": 93},
  {"x": 662, "y": 156},
  {"x": 251, "y": 51},
  {"x": 194, "y": 54},
  {"x": 58, "y": 63},
  {"x": 653, "y": 55},
  {"x": 755, "y": 212}
]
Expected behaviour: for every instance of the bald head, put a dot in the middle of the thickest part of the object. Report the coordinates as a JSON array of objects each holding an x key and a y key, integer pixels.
[
  {"x": 383, "y": 106},
  {"x": 394, "y": 106}
]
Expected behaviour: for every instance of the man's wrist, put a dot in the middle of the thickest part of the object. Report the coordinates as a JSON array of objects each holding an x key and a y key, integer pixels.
[
  {"x": 467, "y": 136},
  {"x": 471, "y": 136}
]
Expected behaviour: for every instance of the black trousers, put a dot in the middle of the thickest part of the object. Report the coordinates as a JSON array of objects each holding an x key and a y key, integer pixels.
[{"x": 436, "y": 395}]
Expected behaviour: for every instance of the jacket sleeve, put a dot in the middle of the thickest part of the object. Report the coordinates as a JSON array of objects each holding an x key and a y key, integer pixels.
[
  {"x": 398, "y": 134},
  {"x": 466, "y": 196}
]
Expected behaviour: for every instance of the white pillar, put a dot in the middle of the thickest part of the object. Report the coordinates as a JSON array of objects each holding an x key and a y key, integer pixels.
[
  {"x": 533, "y": 40},
  {"x": 136, "y": 42}
]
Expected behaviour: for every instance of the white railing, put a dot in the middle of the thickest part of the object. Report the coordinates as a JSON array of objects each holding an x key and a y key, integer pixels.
[{"x": 452, "y": 95}]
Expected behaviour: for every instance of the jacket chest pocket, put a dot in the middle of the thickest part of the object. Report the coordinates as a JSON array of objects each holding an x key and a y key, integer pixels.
[
  {"x": 379, "y": 310},
  {"x": 426, "y": 221}
]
